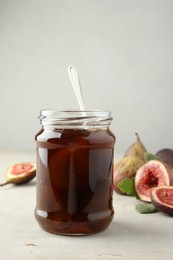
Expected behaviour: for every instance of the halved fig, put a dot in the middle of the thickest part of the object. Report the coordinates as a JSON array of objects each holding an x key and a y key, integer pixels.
[
  {"x": 162, "y": 199},
  {"x": 20, "y": 173},
  {"x": 151, "y": 174}
]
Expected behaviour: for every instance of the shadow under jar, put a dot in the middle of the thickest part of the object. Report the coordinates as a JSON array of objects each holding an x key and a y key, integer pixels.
[{"x": 75, "y": 151}]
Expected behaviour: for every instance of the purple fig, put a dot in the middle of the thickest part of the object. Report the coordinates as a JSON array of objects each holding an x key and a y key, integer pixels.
[{"x": 166, "y": 155}]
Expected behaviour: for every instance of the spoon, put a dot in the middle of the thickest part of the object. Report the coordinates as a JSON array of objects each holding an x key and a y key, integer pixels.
[{"x": 74, "y": 78}]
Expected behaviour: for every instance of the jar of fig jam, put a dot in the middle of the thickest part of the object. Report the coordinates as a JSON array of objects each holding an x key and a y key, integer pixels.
[{"x": 75, "y": 151}]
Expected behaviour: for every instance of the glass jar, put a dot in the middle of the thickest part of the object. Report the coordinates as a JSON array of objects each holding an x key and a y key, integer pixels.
[{"x": 75, "y": 151}]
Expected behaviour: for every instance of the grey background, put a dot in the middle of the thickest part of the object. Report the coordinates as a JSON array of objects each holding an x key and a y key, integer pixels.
[{"x": 121, "y": 48}]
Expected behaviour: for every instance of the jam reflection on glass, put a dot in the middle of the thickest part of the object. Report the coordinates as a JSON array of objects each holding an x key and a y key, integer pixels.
[{"x": 74, "y": 180}]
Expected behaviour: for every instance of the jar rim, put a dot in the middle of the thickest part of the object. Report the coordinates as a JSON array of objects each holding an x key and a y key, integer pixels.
[
  {"x": 71, "y": 118},
  {"x": 46, "y": 112}
]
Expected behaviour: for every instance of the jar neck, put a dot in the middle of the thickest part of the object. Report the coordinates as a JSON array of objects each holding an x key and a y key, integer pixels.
[{"x": 75, "y": 119}]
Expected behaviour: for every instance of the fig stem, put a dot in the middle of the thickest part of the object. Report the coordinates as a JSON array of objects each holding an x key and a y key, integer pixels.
[
  {"x": 137, "y": 136},
  {"x": 5, "y": 183}
]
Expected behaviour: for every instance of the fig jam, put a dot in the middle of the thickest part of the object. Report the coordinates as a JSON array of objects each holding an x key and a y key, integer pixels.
[{"x": 74, "y": 173}]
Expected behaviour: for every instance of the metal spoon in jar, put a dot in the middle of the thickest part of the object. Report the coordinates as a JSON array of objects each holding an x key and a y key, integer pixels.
[{"x": 74, "y": 78}]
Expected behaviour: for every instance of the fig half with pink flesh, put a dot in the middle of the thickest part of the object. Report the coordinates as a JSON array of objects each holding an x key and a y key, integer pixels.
[
  {"x": 151, "y": 174},
  {"x": 162, "y": 199},
  {"x": 20, "y": 173}
]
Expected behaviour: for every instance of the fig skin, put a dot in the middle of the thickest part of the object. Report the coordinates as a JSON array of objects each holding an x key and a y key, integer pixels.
[
  {"x": 171, "y": 178},
  {"x": 137, "y": 149},
  {"x": 163, "y": 206},
  {"x": 166, "y": 155},
  {"x": 151, "y": 174},
  {"x": 26, "y": 179},
  {"x": 20, "y": 178}
]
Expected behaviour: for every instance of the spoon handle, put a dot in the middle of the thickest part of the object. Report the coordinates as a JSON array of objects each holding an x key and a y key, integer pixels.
[{"x": 74, "y": 78}]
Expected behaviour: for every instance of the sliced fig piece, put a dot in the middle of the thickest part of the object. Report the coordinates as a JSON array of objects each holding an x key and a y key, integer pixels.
[
  {"x": 167, "y": 156},
  {"x": 162, "y": 199},
  {"x": 151, "y": 174},
  {"x": 20, "y": 173}
]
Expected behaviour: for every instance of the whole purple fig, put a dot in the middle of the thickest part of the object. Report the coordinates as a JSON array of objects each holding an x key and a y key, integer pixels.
[{"x": 166, "y": 155}]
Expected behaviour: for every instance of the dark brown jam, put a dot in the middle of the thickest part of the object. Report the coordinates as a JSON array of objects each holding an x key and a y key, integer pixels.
[{"x": 74, "y": 180}]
